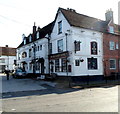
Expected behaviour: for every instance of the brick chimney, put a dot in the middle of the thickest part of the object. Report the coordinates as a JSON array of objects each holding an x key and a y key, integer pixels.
[
  {"x": 109, "y": 15},
  {"x": 6, "y": 45},
  {"x": 34, "y": 28}
]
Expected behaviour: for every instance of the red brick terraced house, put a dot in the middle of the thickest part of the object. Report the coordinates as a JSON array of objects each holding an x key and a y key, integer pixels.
[{"x": 111, "y": 46}]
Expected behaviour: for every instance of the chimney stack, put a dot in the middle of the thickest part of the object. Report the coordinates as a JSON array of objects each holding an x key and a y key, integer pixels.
[
  {"x": 6, "y": 45},
  {"x": 109, "y": 15},
  {"x": 34, "y": 28},
  {"x": 23, "y": 36}
]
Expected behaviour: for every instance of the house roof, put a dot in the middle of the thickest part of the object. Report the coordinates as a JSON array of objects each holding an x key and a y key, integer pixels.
[
  {"x": 42, "y": 33},
  {"x": 7, "y": 51},
  {"x": 83, "y": 21},
  {"x": 77, "y": 20}
]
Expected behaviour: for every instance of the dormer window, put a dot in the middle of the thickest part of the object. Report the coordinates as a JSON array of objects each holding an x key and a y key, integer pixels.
[
  {"x": 30, "y": 39},
  {"x": 37, "y": 35},
  {"x": 111, "y": 29},
  {"x": 24, "y": 41}
]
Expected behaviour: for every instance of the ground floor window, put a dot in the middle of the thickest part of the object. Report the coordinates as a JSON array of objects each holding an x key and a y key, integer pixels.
[
  {"x": 2, "y": 68},
  {"x": 30, "y": 66},
  {"x": 37, "y": 66},
  {"x": 63, "y": 65},
  {"x": 112, "y": 63},
  {"x": 57, "y": 64},
  {"x": 92, "y": 64},
  {"x": 77, "y": 62}
]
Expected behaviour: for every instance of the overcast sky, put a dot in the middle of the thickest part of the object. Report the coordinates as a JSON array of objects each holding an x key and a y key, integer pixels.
[{"x": 18, "y": 16}]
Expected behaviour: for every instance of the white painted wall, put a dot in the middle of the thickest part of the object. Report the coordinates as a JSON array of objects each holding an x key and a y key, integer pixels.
[
  {"x": 9, "y": 62},
  {"x": 39, "y": 54},
  {"x": 86, "y": 37},
  {"x": 79, "y": 34}
]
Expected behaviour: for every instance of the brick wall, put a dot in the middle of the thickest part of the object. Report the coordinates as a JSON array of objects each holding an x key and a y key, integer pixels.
[{"x": 110, "y": 54}]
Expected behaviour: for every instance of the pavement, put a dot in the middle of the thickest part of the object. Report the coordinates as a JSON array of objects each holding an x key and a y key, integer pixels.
[{"x": 19, "y": 85}]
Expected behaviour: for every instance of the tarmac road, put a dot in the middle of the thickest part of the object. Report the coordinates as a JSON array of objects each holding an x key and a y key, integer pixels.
[
  {"x": 102, "y": 99},
  {"x": 26, "y": 95}
]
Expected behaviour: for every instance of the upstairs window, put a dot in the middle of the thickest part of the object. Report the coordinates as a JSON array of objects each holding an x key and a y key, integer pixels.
[
  {"x": 77, "y": 45},
  {"x": 60, "y": 27},
  {"x": 60, "y": 45},
  {"x": 37, "y": 35},
  {"x": 50, "y": 48},
  {"x": 117, "y": 46},
  {"x": 94, "y": 48},
  {"x": 24, "y": 41},
  {"x": 2, "y": 60},
  {"x": 30, "y": 39},
  {"x": 112, "y": 45},
  {"x": 30, "y": 52},
  {"x": 24, "y": 55},
  {"x": 111, "y": 29}
]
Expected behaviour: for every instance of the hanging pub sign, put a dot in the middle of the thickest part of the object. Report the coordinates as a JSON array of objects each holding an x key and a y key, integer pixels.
[
  {"x": 59, "y": 55},
  {"x": 94, "y": 48}
]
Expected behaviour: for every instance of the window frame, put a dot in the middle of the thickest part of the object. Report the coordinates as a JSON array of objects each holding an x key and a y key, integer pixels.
[
  {"x": 59, "y": 46},
  {"x": 94, "y": 48},
  {"x": 24, "y": 54},
  {"x": 57, "y": 65},
  {"x": 50, "y": 48},
  {"x": 59, "y": 27},
  {"x": 112, "y": 45},
  {"x": 77, "y": 45},
  {"x": 77, "y": 62},
  {"x": 38, "y": 34},
  {"x": 114, "y": 64},
  {"x": 63, "y": 64},
  {"x": 90, "y": 63}
]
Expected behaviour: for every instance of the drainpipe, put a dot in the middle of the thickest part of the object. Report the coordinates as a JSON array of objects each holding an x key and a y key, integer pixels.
[{"x": 69, "y": 78}]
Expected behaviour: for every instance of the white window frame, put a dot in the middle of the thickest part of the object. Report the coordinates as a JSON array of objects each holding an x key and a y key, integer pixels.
[
  {"x": 24, "y": 41},
  {"x": 30, "y": 39},
  {"x": 111, "y": 29},
  {"x": 60, "y": 45},
  {"x": 59, "y": 27},
  {"x": 37, "y": 35},
  {"x": 115, "y": 63},
  {"x": 112, "y": 45},
  {"x": 117, "y": 46}
]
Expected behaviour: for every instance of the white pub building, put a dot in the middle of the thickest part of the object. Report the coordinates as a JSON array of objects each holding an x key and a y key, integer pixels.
[{"x": 69, "y": 46}]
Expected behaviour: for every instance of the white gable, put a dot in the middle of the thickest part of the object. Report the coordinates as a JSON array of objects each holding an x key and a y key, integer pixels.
[{"x": 65, "y": 25}]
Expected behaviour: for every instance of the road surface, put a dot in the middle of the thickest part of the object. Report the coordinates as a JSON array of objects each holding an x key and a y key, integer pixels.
[{"x": 102, "y": 99}]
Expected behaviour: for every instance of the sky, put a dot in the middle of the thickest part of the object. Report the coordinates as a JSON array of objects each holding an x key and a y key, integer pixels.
[{"x": 18, "y": 16}]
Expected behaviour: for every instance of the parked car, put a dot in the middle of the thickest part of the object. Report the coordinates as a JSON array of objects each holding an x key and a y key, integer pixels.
[{"x": 19, "y": 73}]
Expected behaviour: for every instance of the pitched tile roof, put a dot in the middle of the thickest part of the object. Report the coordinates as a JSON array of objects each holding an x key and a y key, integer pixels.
[
  {"x": 83, "y": 21},
  {"x": 43, "y": 32},
  {"x": 7, "y": 51}
]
